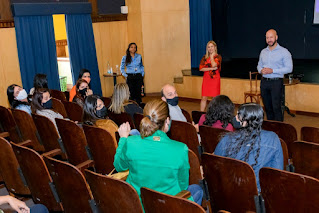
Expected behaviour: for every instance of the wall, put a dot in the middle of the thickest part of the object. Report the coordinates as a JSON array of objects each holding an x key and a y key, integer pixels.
[{"x": 59, "y": 27}]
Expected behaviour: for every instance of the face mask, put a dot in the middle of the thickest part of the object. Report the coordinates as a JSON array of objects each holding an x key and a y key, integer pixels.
[
  {"x": 102, "y": 112},
  {"x": 236, "y": 124},
  {"x": 48, "y": 104},
  {"x": 22, "y": 95},
  {"x": 83, "y": 91},
  {"x": 173, "y": 101}
]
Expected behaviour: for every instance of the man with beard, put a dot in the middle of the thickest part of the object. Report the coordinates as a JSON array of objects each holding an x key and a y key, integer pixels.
[{"x": 274, "y": 62}]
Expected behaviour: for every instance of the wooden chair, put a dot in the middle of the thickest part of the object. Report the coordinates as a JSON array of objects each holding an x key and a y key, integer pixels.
[
  {"x": 210, "y": 137},
  {"x": 196, "y": 116},
  {"x": 107, "y": 101},
  {"x": 253, "y": 93},
  {"x": 59, "y": 107},
  {"x": 287, "y": 192},
  {"x": 37, "y": 176},
  {"x": 28, "y": 129},
  {"x": 74, "y": 141},
  {"x": 305, "y": 158},
  {"x": 70, "y": 184},
  {"x": 10, "y": 170},
  {"x": 157, "y": 202},
  {"x": 187, "y": 116},
  {"x": 102, "y": 147},
  {"x": 74, "y": 111},
  {"x": 231, "y": 183},
  {"x": 285, "y": 152},
  {"x": 195, "y": 175},
  {"x": 58, "y": 94},
  {"x": 48, "y": 134},
  {"x": 310, "y": 134},
  {"x": 137, "y": 120},
  {"x": 285, "y": 131},
  {"x": 186, "y": 133},
  {"x": 121, "y": 118},
  {"x": 67, "y": 95},
  {"x": 112, "y": 195},
  {"x": 8, "y": 124}
]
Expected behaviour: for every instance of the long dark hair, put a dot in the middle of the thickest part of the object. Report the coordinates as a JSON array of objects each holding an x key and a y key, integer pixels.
[
  {"x": 37, "y": 98},
  {"x": 253, "y": 114},
  {"x": 90, "y": 104},
  {"x": 40, "y": 81},
  {"x": 128, "y": 54},
  {"x": 82, "y": 73},
  {"x": 10, "y": 93},
  {"x": 220, "y": 108}
]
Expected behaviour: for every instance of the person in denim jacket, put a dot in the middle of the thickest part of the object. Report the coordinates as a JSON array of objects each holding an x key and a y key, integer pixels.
[{"x": 259, "y": 148}]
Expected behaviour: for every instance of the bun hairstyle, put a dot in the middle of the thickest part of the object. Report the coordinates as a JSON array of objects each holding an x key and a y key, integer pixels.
[{"x": 156, "y": 113}]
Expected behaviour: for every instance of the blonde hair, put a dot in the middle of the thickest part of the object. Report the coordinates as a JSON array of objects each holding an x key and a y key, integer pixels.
[
  {"x": 207, "y": 53},
  {"x": 155, "y": 112},
  {"x": 120, "y": 98}
]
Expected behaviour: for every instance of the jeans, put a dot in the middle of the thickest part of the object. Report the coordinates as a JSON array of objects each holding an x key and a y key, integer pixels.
[
  {"x": 196, "y": 192},
  {"x": 38, "y": 208}
]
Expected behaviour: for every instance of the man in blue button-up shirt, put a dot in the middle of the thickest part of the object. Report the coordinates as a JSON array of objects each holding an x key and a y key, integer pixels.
[{"x": 274, "y": 62}]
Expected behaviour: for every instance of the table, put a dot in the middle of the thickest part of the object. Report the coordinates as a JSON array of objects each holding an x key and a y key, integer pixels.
[{"x": 114, "y": 75}]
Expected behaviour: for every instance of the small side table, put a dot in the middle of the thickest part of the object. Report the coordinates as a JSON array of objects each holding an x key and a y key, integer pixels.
[{"x": 114, "y": 75}]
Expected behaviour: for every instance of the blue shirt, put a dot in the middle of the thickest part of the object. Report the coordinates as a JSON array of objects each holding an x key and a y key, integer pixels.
[
  {"x": 270, "y": 151},
  {"x": 136, "y": 65},
  {"x": 23, "y": 107},
  {"x": 278, "y": 59}
]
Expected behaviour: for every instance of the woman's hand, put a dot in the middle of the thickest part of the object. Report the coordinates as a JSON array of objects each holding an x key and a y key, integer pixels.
[
  {"x": 196, "y": 126},
  {"x": 16, "y": 204},
  {"x": 89, "y": 92},
  {"x": 124, "y": 130}
]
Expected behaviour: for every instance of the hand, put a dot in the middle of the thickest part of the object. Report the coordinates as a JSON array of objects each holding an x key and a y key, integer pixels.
[
  {"x": 196, "y": 126},
  {"x": 266, "y": 71},
  {"x": 124, "y": 130},
  {"x": 89, "y": 92},
  {"x": 17, "y": 205}
]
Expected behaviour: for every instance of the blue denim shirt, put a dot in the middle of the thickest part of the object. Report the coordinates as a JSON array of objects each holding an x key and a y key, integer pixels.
[
  {"x": 136, "y": 65},
  {"x": 270, "y": 152},
  {"x": 278, "y": 59},
  {"x": 25, "y": 108}
]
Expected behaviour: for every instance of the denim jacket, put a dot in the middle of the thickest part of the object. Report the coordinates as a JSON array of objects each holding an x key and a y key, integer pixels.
[
  {"x": 23, "y": 107},
  {"x": 135, "y": 67},
  {"x": 270, "y": 155}
]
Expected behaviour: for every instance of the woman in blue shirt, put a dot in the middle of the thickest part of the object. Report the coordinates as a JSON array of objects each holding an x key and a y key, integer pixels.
[
  {"x": 18, "y": 98},
  {"x": 134, "y": 72}
]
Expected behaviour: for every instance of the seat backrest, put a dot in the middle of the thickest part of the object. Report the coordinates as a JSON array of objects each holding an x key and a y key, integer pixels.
[
  {"x": 196, "y": 116},
  {"x": 74, "y": 111},
  {"x": 121, "y": 118},
  {"x": 58, "y": 95},
  {"x": 27, "y": 128},
  {"x": 74, "y": 141},
  {"x": 9, "y": 125},
  {"x": 137, "y": 120},
  {"x": 112, "y": 195},
  {"x": 37, "y": 176},
  {"x": 284, "y": 152},
  {"x": 156, "y": 202},
  {"x": 285, "y": 131},
  {"x": 187, "y": 116},
  {"x": 186, "y": 133},
  {"x": 195, "y": 174},
  {"x": 210, "y": 137},
  {"x": 253, "y": 76},
  {"x": 305, "y": 158},
  {"x": 59, "y": 107},
  {"x": 287, "y": 192},
  {"x": 70, "y": 185},
  {"x": 9, "y": 168},
  {"x": 102, "y": 147},
  {"x": 231, "y": 183},
  {"x": 107, "y": 101},
  {"x": 310, "y": 134}
]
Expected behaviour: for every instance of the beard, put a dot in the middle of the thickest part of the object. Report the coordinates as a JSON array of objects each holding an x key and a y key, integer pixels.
[{"x": 272, "y": 44}]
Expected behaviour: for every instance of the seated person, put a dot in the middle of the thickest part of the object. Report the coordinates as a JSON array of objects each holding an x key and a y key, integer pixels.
[
  {"x": 82, "y": 91},
  {"x": 18, "y": 98},
  {"x": 170, "y": 96},
  {"x": 39, "y": 81},
  {"x": 84, "y": 74},
  {"x": 259, "y": 148},
  {"x": 120, "y": 101},
  {"x": 152, "y": 158},
  {"x": 42, "y": 105},
  {"x": 20, "y": 206}
]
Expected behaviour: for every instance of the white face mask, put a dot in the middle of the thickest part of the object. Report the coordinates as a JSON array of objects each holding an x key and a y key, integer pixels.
[{"x": 22, "y": 95}]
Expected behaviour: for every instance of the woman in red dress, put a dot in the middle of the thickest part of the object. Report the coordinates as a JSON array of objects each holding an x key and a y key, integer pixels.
[{"x": 211, "y": 66}]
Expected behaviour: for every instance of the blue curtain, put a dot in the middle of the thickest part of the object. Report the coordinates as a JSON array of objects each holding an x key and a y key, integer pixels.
[
  {"x": 37, "y": 49},
  {"x": 200, "y": 30},
  {"x": 82, "y": 48}
]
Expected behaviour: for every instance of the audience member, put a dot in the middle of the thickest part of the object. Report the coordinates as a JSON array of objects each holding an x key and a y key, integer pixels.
[
  {"x": 82, "y": 91},
  {"x": 39, "y": 81},
  {"x": 18, "y": 98},
  {"x": 20, "y": 206},
  {"x": 84, "y": 74},
  {"x": 251, "y": 144}
]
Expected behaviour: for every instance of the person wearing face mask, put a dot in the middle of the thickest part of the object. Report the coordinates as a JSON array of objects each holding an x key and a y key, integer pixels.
[
  {"x": 82, "y": 91},
  {"x": 84, "y": 74},
  {"x": 42, "y": 105},
  {"x": 18, "y": 98},
  {"x": 152, "y": 158},
  {"x": 170, "y": 96}
]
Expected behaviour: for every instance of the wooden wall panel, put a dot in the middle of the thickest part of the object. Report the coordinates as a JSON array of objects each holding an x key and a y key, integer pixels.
[{"x": 5, "y": 10}]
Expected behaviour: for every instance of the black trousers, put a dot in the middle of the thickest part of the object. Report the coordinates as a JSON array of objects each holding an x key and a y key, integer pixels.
[
  {"x": 271, "y": 93},
  {"x": 134, "y": 82}
]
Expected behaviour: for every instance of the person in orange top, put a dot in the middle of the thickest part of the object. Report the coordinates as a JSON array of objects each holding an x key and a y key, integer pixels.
[
  {"x": 211, "y": 66},
  {"x": 84, "y": 74}
]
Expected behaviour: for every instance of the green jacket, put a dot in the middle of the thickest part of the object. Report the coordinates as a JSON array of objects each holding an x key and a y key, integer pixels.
[{"x": 155, "y": 162}]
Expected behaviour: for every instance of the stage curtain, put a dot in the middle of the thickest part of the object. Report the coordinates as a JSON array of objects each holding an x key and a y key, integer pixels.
[
  {"x": 200, "y": 30},
  {"x": 37, "y": 49},
  {"x": 82, "y": 48}
]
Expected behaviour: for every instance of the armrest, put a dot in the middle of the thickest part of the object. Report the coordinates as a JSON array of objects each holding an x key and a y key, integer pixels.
[
  {"x": 85, "y": 165},
  {"x": 25, "y": 143},
  {"x": 120, "y": 175},
  {"x": 184, "y": 194},
  {"x": 223, "y": 211},
  {"x": 53, "y": 153},
  {"x": 4, "y": 134}
]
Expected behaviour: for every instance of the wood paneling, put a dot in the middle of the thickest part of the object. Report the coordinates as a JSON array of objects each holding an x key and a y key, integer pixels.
[{"x": 5, "y": 10}]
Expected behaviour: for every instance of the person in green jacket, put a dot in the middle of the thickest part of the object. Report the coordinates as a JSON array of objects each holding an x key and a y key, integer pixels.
[{"x": 152, "y": 158}]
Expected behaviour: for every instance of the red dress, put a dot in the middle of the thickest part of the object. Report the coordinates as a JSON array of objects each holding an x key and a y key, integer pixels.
[{"x": 211, "y": 79}]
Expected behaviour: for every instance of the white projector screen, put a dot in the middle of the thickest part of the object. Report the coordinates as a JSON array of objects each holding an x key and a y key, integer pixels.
[{"x": 316, "y": 13}]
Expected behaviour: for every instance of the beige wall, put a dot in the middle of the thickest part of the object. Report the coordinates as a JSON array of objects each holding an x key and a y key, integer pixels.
[{"x": 9, "y": 63}]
